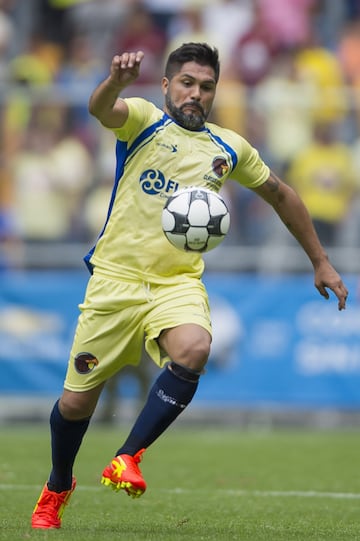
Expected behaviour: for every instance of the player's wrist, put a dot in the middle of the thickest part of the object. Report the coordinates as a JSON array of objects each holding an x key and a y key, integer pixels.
[
  {"x": 113, "y": 83},
  {"x": 319, "y": 260}
]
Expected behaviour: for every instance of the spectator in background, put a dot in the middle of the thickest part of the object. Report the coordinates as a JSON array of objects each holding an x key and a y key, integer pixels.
[
  {"x": 96, "y": 203},
  {"x": 226, "y": 21},
  {"x": 348, "y": 51},
  {"x": 50, "y": 173},
  {"x": 352, "y": 8},
  {"x": 80, "y": 71},
  {"x": 164, "y": 11},
  {"x": 321, "y": 68},
  {"x": 27, "y": 72},
  {"x": 51, "y": 19},
  {"x": 287, "y": 21},
  {"x": 30, "y": 73},
  {"x": 253, "y": 52},
  {"x": 80, "y": 66},
  {"x": 10, "y": 245},
  {"x": 98, "y": 20},
  {"x": 8, "y": 230},
  {"x": 22, "y": 16},
  {"x": 283, "y": 103},
  {"x": 323, "y": 175},
  {"x": 38, "y": 63},
  {"x": 328, "y": 19},
  {"x": 7, "y": 34},
  {"x": 351, "y": 229},
  {"x": 187, "y": 26},
  {"x": 139, "y": 30}
]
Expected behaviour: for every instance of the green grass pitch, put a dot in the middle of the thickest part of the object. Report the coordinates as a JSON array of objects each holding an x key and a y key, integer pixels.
[{"x": 213, "y": 484}]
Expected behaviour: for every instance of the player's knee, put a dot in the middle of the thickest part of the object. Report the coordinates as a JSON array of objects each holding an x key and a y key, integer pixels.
[
  {"x": 194, "y": 354},
  {"x": 76, "y": 406}
]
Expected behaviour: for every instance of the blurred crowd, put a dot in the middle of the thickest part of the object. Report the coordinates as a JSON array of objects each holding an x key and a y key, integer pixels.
[{"x": 290, "y": 84}]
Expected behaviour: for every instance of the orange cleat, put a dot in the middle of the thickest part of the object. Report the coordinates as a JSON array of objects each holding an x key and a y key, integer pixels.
[
  {"x": 50, "y": 507},
  {"x": 124, "y": 473}
]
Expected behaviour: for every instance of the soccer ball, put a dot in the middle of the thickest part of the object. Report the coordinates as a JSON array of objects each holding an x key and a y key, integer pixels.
[{"x": 195, "y": 219}]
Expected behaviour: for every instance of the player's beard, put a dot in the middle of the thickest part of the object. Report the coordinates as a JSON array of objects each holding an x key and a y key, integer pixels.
[{"x": 190, "y": 121}]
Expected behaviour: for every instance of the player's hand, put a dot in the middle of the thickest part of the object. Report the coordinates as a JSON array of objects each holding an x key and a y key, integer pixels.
[
  {"x": 327, "y": 277},
  {"x": 125, "y": 68}
]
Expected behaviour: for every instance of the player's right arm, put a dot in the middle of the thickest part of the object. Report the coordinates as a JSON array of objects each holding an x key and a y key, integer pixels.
[{"x": 104, "y": 102}]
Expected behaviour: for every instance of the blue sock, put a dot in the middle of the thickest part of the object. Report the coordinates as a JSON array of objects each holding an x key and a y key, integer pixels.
[
  {"x": 66, "y": 438},
  {"x": 168, "y": 397}
]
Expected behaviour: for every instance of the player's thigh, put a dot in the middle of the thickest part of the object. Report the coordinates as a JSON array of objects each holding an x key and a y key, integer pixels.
[
  {"x": 109, "y": 333},
  {"x": 184, "y": 306}
]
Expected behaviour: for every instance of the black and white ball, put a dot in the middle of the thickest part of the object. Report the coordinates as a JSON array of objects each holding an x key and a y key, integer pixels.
[{"x": 195, "y": 219}]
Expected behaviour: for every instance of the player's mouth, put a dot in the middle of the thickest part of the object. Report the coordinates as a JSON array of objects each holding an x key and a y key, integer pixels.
[{"x": 193, "y": 108}]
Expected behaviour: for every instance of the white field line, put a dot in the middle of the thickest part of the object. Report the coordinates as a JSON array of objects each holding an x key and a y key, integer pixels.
[{"x": 223, "y": 492}]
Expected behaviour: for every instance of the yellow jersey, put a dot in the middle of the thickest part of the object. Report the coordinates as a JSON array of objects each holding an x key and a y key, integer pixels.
[{"x": 155, "y": 156}]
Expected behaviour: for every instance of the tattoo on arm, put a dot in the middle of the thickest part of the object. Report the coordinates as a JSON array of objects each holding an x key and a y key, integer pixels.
[
  {"x": 273, "y": 183},
  {"x": 273, "y": 190}
]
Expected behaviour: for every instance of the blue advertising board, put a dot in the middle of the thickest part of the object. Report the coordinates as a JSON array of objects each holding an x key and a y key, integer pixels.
[
  {"x": 276, "y": 340},
  {"x": 294, "y": 347}
]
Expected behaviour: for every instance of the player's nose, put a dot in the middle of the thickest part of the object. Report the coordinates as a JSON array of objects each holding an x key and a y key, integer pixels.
[{"x": 195, "y": 92}]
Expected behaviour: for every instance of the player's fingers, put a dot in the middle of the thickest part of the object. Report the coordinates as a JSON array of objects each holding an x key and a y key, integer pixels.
[
  {"x": 124, "y": 60},
  {"x": 342, "y": 294},
  {"x": 322, "y": 290},
  {"x": 339, "y": 290},
  {"x": 116, "y": 61},
  {"x": 135, "y": 59},
  {"x": 139, "y": 56},
  {"x": 130, "y": 59}
]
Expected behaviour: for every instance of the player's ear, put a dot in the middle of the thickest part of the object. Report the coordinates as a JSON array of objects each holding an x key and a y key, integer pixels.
[{"x": 165, "y": 85}]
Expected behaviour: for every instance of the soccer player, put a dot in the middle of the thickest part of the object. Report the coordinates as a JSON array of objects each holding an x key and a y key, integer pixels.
[{"x": 141, "y": 287}]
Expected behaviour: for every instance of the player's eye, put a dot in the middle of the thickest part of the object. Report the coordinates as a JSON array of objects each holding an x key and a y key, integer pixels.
[{"x": 208, "y": 87}]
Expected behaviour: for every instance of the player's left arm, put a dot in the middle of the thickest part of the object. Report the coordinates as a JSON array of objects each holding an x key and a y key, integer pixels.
[{"x": 295, "y": 216}]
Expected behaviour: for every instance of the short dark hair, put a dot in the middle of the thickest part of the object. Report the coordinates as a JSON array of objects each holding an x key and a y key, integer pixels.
[{"x": 201, "y": 53}]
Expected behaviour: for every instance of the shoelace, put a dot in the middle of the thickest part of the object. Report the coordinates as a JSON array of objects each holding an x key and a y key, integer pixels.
[
  {"x": 50, "y": 504},
  {"x": 138, "y": 456}
]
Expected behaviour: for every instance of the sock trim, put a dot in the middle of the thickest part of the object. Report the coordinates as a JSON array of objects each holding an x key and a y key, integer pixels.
[{"x": 184, "y": 373}]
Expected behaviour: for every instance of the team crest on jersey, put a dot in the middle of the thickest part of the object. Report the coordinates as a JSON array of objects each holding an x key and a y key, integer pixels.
[
  {"x": 85, "y": 362},
  {"x": 220, "y": 166}
]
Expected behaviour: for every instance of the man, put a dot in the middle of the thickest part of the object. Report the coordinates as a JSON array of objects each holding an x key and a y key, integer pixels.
[{"x": 141, "y": 286}]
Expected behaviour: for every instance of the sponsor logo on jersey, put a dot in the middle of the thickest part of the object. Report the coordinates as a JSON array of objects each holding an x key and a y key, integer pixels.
[
  {"x": 153, "y": 182},
  {"x": 172, "y": 148}
]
